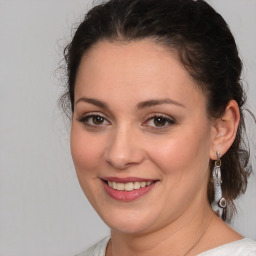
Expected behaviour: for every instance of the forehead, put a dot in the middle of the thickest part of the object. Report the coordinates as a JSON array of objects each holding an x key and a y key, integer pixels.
[{"x": 142, "y": 67}]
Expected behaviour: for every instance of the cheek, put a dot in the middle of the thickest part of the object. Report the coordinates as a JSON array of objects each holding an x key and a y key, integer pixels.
[
  {"x": 86, "y": 151},
  {"x": 186, "y": 152}
]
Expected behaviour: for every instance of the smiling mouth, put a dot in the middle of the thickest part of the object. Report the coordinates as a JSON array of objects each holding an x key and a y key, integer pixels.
[
  {"x": 129, "y": 186},
  {"x": 127, "y": 189}
]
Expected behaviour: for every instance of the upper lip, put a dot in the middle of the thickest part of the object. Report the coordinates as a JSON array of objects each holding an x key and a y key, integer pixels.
[{"x": 126, "y": 179}]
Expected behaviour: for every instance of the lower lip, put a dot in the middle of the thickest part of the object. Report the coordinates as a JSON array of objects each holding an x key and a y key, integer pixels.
[{"x": 127, "y": 196}]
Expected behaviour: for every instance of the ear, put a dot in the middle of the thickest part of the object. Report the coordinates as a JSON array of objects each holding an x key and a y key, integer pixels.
[{"x": 224, "y": 130}]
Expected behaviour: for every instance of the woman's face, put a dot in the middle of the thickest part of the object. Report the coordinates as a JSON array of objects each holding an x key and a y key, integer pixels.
[{"x": 140, "y": 136}]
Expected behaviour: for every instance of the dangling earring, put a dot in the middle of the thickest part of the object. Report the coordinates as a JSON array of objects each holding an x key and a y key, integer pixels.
[{"x": 219, "y": 202}]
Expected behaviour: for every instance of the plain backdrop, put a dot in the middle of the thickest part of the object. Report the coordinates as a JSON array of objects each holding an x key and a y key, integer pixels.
[{"x": 43, "y": 211}]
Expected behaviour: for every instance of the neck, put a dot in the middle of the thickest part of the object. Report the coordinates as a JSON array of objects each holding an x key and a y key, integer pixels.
[{"x": 181, "y": 237}]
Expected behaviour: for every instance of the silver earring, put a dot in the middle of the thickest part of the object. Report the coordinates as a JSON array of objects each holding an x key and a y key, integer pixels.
[{"x": 219, "y": 202}]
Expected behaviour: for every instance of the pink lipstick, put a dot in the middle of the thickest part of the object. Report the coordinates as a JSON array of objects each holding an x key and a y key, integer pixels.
[{"x": 127, "y": 189}]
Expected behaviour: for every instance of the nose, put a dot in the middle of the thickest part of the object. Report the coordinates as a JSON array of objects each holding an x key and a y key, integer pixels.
[{"x": 124, "y": 149}]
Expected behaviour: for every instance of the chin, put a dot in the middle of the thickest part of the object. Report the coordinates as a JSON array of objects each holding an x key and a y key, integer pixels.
[{"x": 129, "y": 222}]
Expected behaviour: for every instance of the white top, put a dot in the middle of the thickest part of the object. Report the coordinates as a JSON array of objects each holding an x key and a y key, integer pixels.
[{"x": 243, "y": 247}]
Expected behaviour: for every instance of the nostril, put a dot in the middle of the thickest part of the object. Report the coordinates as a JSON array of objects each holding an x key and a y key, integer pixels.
[{"x": 117, "y": 164}]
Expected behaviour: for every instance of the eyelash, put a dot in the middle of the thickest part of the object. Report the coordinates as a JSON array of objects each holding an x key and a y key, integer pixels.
[
  {"x": 167, "y": 121},
  {"x": 86, "y": 120}
]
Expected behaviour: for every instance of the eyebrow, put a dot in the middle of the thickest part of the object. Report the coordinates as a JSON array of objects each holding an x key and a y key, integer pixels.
[
  {"x": 141, "y": 105},
  {"x": 95, "y": 102},
  {"x": 155, "y": 102}
]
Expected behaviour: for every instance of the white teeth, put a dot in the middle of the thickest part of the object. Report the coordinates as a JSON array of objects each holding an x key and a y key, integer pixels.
[
  {"x": 143, "y": 184},
  {"x": 110, "y": 184},
  {"x": 120, "y": 186},
  {"x": 129, "y": 186},
  {"x": 136, "y": 185}
]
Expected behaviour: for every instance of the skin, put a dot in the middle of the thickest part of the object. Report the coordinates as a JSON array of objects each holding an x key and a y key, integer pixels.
[{"x": 127, "y": 142}]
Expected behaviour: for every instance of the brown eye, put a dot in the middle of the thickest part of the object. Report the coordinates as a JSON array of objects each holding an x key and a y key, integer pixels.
[
  {"x": 94, "y": 120},
  {"x": 98, "y": 120},
  {"x": 159, "y": 121}
]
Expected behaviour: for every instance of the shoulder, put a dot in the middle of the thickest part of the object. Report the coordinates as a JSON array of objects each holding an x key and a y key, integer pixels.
[
  {"x": 245, "y": 247},
  {"x": 97, "y": 249}
]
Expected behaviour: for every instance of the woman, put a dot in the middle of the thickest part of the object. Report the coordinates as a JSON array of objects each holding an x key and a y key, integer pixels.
[{"x": 156, "y": 99}]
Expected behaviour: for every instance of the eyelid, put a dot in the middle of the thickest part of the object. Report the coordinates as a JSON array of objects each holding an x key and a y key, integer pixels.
[
  {"x": 170, "y": 120},
  {"x": 92, "y": 114}
]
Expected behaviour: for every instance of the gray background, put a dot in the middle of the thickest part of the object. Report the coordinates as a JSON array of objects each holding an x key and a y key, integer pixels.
[{"x": 43, "y": 211}]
